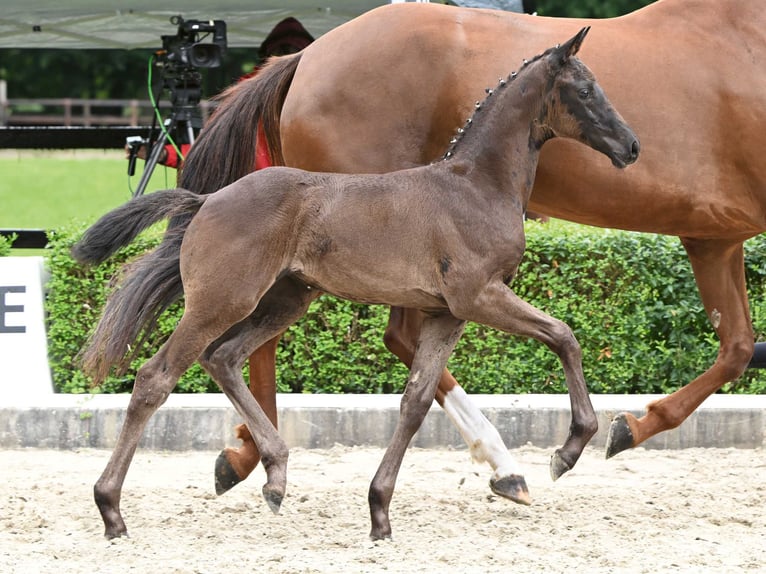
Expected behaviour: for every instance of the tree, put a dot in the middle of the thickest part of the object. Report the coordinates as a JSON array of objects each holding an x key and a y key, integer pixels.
[
  {"x": 589, "y": 8},
  {"x": 101, "y": 74}
]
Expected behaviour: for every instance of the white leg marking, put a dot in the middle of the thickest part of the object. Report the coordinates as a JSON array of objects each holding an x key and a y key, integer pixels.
[{"x": 482, "y": 438}]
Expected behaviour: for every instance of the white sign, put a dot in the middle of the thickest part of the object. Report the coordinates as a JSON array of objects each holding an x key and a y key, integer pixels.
[{"x": 24, "y": 370}]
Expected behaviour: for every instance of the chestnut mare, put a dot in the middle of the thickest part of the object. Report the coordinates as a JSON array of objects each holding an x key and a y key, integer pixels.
[
  {"x": 444, "y": 238},
  {"x": 383, "y": 91}
]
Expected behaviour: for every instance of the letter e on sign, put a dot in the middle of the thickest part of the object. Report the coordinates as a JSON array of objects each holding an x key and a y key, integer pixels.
[
  {"x": 25, "y": 376},
  {"x": 6, "y": 309}
]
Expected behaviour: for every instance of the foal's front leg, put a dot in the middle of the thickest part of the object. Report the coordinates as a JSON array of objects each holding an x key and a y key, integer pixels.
[
  {"x": 483, "y": 439},
  {"x": 499, "y": 307},
  {"x": 438, "y": 337}
]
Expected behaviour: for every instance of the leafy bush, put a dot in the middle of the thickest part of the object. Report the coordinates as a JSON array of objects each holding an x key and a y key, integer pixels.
[
  {"x": 630, "y": 299},
  {"x": 5, "y": 245},
  {"x": 75, "y": 298}
]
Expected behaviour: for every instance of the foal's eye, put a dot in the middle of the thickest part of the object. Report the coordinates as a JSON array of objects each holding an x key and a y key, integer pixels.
[{"x": 584, "y": 93}]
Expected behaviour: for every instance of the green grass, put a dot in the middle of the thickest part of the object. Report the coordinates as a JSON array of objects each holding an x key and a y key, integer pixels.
[{"x": 49, "y": 190}]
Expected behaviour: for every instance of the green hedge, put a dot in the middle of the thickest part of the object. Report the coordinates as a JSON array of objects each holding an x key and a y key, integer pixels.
[
  {"x": 5, "y": 245},
  {"x": 630, "y": 299}
]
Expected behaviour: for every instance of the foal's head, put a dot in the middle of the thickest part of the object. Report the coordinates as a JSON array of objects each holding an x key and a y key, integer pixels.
[{"x": 576, "y": 107}]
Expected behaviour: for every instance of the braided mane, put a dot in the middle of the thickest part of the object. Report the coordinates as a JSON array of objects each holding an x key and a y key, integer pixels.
[{"x": 480, "y": 104}]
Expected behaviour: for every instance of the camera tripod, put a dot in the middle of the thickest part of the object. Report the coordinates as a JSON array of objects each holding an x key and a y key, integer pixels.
[{"x": 182, "y": 124}]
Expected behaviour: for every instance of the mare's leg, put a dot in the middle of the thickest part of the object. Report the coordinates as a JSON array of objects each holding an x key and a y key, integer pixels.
[
  {"x": 720, "y": 273},
  {"x": 499, "y": 307},
  {"x": 438, "y": 336},
  {"x": 283, "y": 304},
  {"x": 482, "y": 438},
  {"x": 154, "y": 381},
  {"x": 235, "y": 464}
]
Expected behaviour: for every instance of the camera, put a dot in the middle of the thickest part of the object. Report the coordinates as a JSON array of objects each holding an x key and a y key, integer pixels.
[
  {"x": 197, "y": 44},
  {"x": 188, "y": 48}
]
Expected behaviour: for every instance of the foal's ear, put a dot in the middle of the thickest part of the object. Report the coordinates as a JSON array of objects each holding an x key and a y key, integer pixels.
[{"x": 572, "y": 46}]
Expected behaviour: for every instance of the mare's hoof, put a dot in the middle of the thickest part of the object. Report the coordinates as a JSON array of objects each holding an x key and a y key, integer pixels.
[
  {"x": 226, "y": 477},
  {"x": 512, "y": 487},
  {"x": 273, "y": 498},
  {"x": 620, "y": 436},
  {"x": 559, "y": 466}
]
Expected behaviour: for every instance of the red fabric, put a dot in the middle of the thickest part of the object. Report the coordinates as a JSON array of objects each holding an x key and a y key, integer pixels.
[
  {"x": 262, "y": 157},
  {"x": 172, "y": 159},
  {"x": 249, "y": 75}
]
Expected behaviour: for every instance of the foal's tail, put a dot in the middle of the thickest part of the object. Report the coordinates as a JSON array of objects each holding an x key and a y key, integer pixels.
[
  {"x": 122, "y": 225},
  {"x": 224, "y": 152},
  {"x": 148, "y": 286}
]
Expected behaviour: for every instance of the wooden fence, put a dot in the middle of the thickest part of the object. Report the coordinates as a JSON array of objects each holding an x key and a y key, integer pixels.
[
  {"x": 71, "y": 112},
  {"x": 69, "y": 123}
]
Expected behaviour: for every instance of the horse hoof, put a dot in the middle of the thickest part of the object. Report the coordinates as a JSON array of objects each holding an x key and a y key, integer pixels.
[
  {"x": 273, "y": 498},
  {"x": 380, "y": 534},
  {"x": 226, "y": 477},
  {"x": 512, "y": 487},
  {"x": 112, "y": 534},
  {"x": 620, "y": 436},
  {"x": 559, "y": 466}
]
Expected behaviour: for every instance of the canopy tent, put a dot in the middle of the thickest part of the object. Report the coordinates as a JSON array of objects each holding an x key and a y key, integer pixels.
[{"x": 127, "y": 24}]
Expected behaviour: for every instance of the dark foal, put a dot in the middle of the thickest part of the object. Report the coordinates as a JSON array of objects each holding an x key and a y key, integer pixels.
[{"x": 446, "y": 238}]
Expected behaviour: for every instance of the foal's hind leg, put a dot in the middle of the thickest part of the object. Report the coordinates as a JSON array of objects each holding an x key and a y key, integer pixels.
[
  {"x": 482, "y": 438},
  {"x": 154, "y": 381},
  {"x": 499, "y": 307},
  {"x": 225, "y": 366},
  {"x": 285, "y": 303},
  {"x": 234, "y": 465},
  {"x": 438, "y": 337},
  {"x": 287, "y": 299}
]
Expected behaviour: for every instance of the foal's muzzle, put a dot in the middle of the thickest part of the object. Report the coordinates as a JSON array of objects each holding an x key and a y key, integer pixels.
[{"x": 628, "y": 157}]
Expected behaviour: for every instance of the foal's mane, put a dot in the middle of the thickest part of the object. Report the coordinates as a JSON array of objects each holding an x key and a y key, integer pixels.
[{"x": 483, "y": 104}]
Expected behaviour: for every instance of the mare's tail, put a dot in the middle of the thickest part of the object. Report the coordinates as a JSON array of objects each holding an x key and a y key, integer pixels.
[
  {"x": 224, "y": 152},
  {"x": 149, "y": 285}
]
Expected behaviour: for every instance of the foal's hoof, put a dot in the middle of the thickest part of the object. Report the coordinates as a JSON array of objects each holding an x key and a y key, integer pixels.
[
  {"x": 273, "y": 498},
  {"x": 112, "y": 533},
  {"x": 559, "y": 466},
  {"x": 226, "y": 477},
  {"x": 620, "y": 436},
  {"x": 380, "y": 533},
  {"x": 512, "y": 487}
]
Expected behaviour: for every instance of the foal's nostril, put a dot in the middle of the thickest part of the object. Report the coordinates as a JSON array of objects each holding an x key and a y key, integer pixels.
[{"x": 635, "y": 148}]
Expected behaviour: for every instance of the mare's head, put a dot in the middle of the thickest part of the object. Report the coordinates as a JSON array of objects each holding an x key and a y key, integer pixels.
[{"x": 576, "y": 107}]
